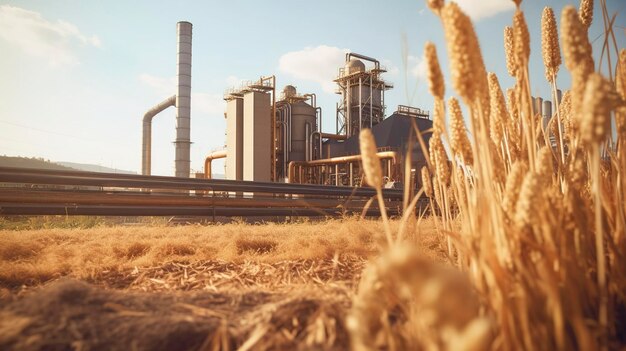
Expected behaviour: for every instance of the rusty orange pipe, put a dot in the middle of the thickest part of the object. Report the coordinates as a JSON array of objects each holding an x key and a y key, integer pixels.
[
  {"x": 207, "y": 161},
  {"x": 392, "y": 155},
  {"x": 334, "y": 136}
]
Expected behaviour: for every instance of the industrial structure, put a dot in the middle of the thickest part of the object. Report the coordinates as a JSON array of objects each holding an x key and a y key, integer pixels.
[
  {"x": 182, "y": 101},
  {"x": 280, "y": 138},
  {"x": 274, "y": 137}
]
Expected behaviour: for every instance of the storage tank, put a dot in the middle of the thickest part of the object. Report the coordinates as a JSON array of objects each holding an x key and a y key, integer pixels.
[
  {"x": 547, "y": 109},
  {"x": 289, "y": 91},
  {"x": 303, "y": 123},
  {"x": 354, "y": 66},
  {"x": 538, "y": 108},
  {"x": 257, "y": 137},
  {"x": 234, "y": 139}
]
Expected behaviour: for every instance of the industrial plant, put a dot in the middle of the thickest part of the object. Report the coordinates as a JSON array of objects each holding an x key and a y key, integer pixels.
[{"x": 277, "y": 135}]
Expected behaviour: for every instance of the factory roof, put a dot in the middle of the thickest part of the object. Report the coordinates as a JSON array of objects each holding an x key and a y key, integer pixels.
[{"x": 392, "y": 132}]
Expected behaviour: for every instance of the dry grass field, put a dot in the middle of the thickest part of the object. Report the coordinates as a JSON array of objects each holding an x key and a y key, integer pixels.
[{"x": 276, "y": 286}]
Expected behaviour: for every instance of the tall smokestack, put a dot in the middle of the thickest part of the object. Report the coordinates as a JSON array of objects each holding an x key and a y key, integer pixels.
[{"x": 183, "y": 100}]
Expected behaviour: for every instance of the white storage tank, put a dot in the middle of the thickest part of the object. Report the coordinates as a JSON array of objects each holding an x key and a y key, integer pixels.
[
  {"x": 234, "y": 139},
  {"x": 257, "y": 137}
]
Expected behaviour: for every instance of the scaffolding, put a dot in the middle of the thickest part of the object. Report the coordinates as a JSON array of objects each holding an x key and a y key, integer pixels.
[{"x": 363, "y": 95}]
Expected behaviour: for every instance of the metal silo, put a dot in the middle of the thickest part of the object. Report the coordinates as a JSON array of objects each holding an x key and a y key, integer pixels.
[
  {"x": 257, "y": 136},
  {"x": 234, "y": 138},
  {"x": 303, "y": 122},
  {"x": 547, "y": 109}
]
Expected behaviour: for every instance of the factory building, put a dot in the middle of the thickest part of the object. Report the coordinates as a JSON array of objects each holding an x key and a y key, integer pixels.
[{"x": 293, "y": 147}]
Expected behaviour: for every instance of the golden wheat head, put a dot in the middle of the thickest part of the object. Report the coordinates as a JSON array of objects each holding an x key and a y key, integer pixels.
[
  {"x": 550, "y": 44},
  {"x": 467, "y": 69},
  {"x": 509, "y": 49},
  {"x": 521, "y": 39},
  {"x": 459, "y": 141},
  {"x": 576, "y": 46},
  {"x": 586, "y": 12},
  {"x": 498, "y": 112},
  {"x": 435, "y": 78},
  {"x": 371, "y": 163},
  {"x": 599, "y": 100},
  {"x": 426, "y": 182}
]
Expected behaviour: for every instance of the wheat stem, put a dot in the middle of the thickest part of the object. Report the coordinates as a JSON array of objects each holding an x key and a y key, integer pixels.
[
  {"x": 601, "y": 261},
  {"x": 383, "y": 213}
]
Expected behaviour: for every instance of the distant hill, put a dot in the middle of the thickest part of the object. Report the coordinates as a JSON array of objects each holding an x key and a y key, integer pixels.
[
  {"x": 40, "y": 163},
  {"x": 25, "y": 162},
  {"x": 94, "y": 168}
]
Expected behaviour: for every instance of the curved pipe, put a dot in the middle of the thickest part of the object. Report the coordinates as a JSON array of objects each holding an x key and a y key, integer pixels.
[
  {"x": 285, "y": 111},
  {"x": 146, "y": 150},
  {"x": 313, "y": 98},
  {"x": 207, "y": 162},
  {"x": 389, "y": 155},
  {"x": 289, "y": 126},
  {"x": 307, "y": 143},
  {"x": 320, "y": 136},
  {"x": 313, "y": 141},
  {"x": 363, "y": 57},
  {"x": 318, "y": 113}
]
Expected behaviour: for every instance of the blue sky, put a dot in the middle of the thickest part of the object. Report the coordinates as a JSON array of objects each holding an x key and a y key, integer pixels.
[{"x": 78, "y": 75}]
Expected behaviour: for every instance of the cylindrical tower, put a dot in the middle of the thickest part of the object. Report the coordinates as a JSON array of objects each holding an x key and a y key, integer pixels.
[
  {"x": 303, "y": 122},
  {"x": 362, "y": 95},
  {"x": 183, "y": 100},
  {"x": 537, "y": 105},
  {"x": 547, "y": 109}
]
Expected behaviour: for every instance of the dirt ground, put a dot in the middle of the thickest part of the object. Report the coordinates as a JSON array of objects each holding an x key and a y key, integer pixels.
[
  {"x": 219, "y": 306},
  {"x": 230, "y": 287}
]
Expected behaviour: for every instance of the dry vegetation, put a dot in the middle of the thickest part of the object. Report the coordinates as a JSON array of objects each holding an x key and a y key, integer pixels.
[
  {"x": 268, "y": 286},
  {"x": 541, "y": 252},
  {"x": 30, "y": 257}
]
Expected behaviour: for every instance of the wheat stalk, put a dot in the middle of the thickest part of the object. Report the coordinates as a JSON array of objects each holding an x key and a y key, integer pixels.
[{"x": 374, "y": 173}]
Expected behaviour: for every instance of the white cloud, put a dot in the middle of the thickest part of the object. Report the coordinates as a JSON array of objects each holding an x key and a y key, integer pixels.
[
  {"x": 207, "y": 103},
  {"x": 37, "y": 36},
  {"x": 392, "y": 69},
  {"x": 163, "y": 86},
  {"x": 479, "y": 9},
  {"x": 234, "y": 81},
  {"x": 417, "y": 67},
  {"x": 318, "y": 64}
]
